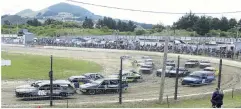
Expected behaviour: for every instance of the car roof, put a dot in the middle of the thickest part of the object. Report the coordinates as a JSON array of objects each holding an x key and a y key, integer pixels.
[
  {"x": 204, "y": 61},
  {"x": 60, "y": 82},
  {"x": 201, "y": 72},
  {"x": 210, "y": 68},
  {"x": 72, "y": 77},
  {"x": 90, "y": 73}
]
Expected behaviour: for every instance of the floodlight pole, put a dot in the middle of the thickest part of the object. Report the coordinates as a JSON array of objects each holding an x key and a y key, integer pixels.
[
  {"x": 163, "y": 71},
  {"x": 177, "y": 74},
  {"x": 219, "y": 73},
  {"x": 120, "y": 79},
  {"x": 51, "y": 80}
]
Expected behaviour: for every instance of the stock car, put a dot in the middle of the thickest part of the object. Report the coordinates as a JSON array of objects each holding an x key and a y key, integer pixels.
[
  {"x": 168, "y": 68},
  {"x": 103, "y": 86},
  {"x": 199, "y": 78},
  {"x": 61, "y": 88},
  {"x": 93, "y": 76},
  {"x": 146, "y": 69},
  {"x": 80, "y": 79},
  {"x": 128, "y": 75},
  {"x": 191, "y": 63},
  {"x": 182, "y": 72},
  {"x": 203, "y": 64},
  {"x": 170, "y": 63},
  {"x": 211, "y": 69}
]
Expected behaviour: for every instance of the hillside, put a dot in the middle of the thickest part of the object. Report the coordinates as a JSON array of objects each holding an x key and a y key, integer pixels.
[
  {"x": 65, "y": 11},
  {"x": 14, "y": 19}
]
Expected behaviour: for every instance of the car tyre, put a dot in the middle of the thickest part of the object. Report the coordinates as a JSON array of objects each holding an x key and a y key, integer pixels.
[
  {"x": 63, "y": 94},
  {"x": 92, "y": 92}
]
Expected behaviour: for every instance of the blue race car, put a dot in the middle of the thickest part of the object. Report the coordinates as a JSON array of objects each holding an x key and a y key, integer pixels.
[{"x": 199, "y": 78}]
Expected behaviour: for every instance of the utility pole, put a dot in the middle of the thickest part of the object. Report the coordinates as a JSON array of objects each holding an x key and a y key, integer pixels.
[
  {"x": 219, "y": 74},
  {"x": 163, "y": 70},
  {"x": 120, "y": 79},
  {"x": 177, "y": 74},
  {"x": 51, "y": 80}
]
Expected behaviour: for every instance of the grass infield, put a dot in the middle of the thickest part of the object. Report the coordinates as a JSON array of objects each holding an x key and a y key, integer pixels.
[{"x": 25, "y": 66}]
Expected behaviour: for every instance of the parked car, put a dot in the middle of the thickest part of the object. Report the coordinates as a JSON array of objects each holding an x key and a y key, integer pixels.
[
  {"x": 61, "y": 88},
  {"x": 182, "y": 72},
  {"x": 204, "y": 64},
  {"x": 170, "y": 63},
  {"x": 199, "y": 78},
  {"x": 168, "y": 68},
  {"x": 191, "y": 63},
  {"x": 139, "y": 62},
  {"x": 93, "y": 76},
  {"x": 103, "y": 86}
]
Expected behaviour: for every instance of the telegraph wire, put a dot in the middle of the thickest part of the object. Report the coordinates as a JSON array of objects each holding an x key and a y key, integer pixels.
[{"x": 146, "y": 11}]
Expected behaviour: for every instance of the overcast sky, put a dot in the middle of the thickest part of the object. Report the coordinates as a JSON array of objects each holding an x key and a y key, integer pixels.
[{"x": 180, "y": 6}]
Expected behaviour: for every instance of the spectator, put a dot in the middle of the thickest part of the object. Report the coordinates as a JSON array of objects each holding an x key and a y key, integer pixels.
[{"x": 213, "y": 100}]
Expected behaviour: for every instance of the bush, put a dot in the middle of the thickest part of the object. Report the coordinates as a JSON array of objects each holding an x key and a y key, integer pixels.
[{"x": 140, "y": 32}]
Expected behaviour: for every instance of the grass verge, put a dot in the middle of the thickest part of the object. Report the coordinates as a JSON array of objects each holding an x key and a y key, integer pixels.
[{"x": 25, "y": 66}]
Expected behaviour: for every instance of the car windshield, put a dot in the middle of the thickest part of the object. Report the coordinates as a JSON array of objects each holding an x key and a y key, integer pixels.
[
  {"x": 205, "y": 62},
  {"x": 169, "y": 67},
  {"x": 194, "y": 76},
  {"x": 191, "y": 61},
  {"x": 97, "y": 81}
]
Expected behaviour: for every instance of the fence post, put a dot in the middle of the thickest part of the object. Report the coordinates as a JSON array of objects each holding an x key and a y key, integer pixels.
[
  {"x": 168, "y": 102},
  {"x": 232, "y": 92}
]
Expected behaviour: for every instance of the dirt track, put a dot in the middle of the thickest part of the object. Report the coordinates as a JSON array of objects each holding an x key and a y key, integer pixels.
[{"x": 110, "y": 61}]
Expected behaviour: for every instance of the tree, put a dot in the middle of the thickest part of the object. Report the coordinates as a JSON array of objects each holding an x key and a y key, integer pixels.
[
  {"x": 224, "y": 26},
  {"x": 232, "y": 23},
  {"x": 131, "y": 26},
  {"x": 88, "y": 23},
  {"x": 187, "y": 21},
  {"x": 7, "y": 22},
  {"x": 158, "y": 28},
  {"x": 34, "y": 22},
  {"x": 215, "y": 23},
  {"x": 202, "y": 26}
]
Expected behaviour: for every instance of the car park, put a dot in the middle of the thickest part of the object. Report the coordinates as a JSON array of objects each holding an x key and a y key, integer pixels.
[
  {"x": 168, "y": 68},
  {"x": 93, "y": 76},
  {"x": 182, "y": 72},
  {"x": 170, "y": 63},
  {"x": 204, "y": 64},
  {"x": 61, "y": 88},
  {"x": 191, "y": 63},
  {"x": 103, "y": 86},
  {"x": 199, "y": 78}
]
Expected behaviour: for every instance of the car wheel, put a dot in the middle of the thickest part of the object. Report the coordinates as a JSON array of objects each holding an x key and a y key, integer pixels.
[
  {"x": 91, "y": 92},
  {"x": 183, "y": 83},
  {"x": 63, "y": 94},
  {"x": 99, "y": 91}
]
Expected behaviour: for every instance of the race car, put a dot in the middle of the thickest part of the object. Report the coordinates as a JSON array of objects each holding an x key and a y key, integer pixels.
[
  {"x": 211, "y": 69},
  {"x": 168, "y": 69},
  {"x": 170, "y": 63},
  {"x": 182, "y": 72},
  {"x": 104, "y": 85},
  {"x": 204, "y": 64},
  {"x": 199, "y": 78},
  {"x": 191, "y": 63},
  {"x": 128, "y": 75},
  {"x": 61, "y": 88}
]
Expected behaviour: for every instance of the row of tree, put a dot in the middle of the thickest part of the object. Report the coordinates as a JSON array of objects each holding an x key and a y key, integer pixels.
[
  {"x": 116, "y": 25},
  {"x": 203, "y": 24}
]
